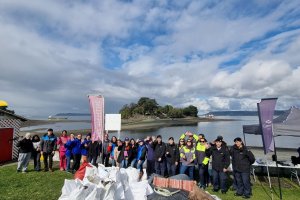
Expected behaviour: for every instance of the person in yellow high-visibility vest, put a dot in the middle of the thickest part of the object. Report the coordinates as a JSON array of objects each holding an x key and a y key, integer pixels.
[
  {"x": 188, "y": 157},
  {"x": 202, "y": 160}
]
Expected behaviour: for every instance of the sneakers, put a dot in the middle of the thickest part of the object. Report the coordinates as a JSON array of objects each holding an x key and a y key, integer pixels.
[
  {"x": 215, "y": 190},
  {"x": 18, "y": 170}
]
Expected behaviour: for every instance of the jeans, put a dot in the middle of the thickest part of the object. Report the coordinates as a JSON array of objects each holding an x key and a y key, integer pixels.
[
  {"x": 93, "y": 160},
  {"x": 124, "y": 163},
  {"x": 160, "y": 168},
  {"x": 171, "y": 169},
  {"x": 68, "y": 163},
  {"x": 46, "y": 156},
  {"x": 219, "y": 180},
  {"x": 243, "y": 183},
  {"x": 36, "y": 160},
  {"x": 150, "y": 167},
  {"x": 139, "y": 165},
  {"x": 23, "y": 161},
  {"x": 203, "y": 175},
  {"x": 133, "y": 163},
  {"x": 190, "y": 169}
]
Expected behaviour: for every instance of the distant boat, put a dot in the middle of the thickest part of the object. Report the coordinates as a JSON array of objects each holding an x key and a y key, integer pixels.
[{"x": 56, "y": 118}]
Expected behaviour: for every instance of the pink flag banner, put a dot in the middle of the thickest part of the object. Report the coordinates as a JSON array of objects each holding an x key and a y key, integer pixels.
[
  {"x": 266, "y": 110},
  {"x": 97, "y": 116}
]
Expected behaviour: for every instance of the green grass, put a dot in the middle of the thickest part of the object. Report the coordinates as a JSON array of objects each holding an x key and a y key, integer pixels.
[{"x": 47, "y": 185}]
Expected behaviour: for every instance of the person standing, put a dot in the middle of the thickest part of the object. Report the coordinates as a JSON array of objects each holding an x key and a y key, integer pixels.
[
  {"x": 85, "y": 148},
  {"x": 150, "y": 169},
  {"x": 172, "y": 157},
  {"x": 117, "y": 150},
  {"x": 114, "y": 143},
  {"x": 159, "y": 154},
  {"x": 76, "y": 151},
  {"x": 242, "y": 159},
  {"x": 69, "y": 154},
  {"x": 188, "y": 159},
  {"x": 48, "y": 148},
  {"x": 26, "y": 147},
  {"x": 36, "y": 153},
  {"x": 134, "y": 147},
  {"x": 106, "y": 150},
  {"x": 94, "y": 152},
  {"x": 220, "y": 162},
  {"x": 202, "y": 161},
  {"x": 61, "y": 141},
  {"x": 141, "y": 155},
  {"x": 125, "y": 154}
]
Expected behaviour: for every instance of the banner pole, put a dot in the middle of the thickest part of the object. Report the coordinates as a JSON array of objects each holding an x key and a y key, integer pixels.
[
  {"x": 270, "y": 185},
  {"x": 277, "y": 169}
]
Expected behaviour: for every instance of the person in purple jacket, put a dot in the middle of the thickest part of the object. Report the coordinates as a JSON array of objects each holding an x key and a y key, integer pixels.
[{"x": 150, "y": 169}]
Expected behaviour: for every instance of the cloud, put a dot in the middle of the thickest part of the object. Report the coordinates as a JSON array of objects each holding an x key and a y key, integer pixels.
[{"x": 215, "y": 55}]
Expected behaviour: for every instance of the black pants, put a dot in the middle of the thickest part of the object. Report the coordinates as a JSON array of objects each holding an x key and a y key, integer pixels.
[
  {"x": 36, "y": 160},
  {"x": 93, "y": 159},
  {"x": 46, "y": 156},
  {"x": 76, "y": 162},
  {"x": 105, "y": 159},
  {"x": 150, "y": 169}
]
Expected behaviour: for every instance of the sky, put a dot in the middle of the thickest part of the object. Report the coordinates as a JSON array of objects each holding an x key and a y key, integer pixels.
[{"x": 214, "y": 54}]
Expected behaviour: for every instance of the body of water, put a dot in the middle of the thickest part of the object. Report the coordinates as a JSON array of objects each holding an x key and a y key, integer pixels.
[{"x": 228, "y": 129}]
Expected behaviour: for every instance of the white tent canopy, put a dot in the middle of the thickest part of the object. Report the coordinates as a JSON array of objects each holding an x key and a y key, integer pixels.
[{"x": 287, "y": 124}]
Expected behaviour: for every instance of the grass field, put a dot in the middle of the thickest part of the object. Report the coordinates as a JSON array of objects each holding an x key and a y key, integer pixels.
[{"x": 46, "y": 185}]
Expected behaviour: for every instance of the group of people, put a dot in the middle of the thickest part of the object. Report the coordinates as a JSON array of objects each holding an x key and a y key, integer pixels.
[{"x": 192, "y": 152}]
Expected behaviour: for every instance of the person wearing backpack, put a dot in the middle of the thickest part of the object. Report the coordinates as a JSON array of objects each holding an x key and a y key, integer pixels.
[{"x": 242, "y": 159}]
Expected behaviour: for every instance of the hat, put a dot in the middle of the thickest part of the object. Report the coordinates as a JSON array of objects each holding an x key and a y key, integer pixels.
[
  {"x": 219, "y": 139},
  {"x": 50, "y": 129},
  {"x": 201, "y": 134},
  {"x": 171, "y": 138},
  {"x": 188, "y": 140},
  {"x": 140, "y": 140},
  {"x": 126, "y": 139},
  {"x": 159, "y": 136},
  {"x": 237, "y": 139}
]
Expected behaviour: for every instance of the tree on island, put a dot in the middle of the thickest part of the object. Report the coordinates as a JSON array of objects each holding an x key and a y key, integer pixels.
[{"x": 148, "y": 106}]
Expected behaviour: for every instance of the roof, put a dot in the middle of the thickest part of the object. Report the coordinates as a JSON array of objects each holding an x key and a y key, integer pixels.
[{"x": 13, "y": 115}]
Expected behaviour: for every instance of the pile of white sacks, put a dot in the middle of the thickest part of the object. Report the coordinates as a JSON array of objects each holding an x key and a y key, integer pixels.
[{"x": 107, "y": 183}]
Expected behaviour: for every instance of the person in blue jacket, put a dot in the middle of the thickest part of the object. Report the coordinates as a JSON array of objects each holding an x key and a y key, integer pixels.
[
  {"x": 69, "y": 154},
  {"x": 85, "y": 148},
  {"x": 141, "y": 155},
  {"x": 112, "y": 154},
  {"x": 76, "y": 151}
]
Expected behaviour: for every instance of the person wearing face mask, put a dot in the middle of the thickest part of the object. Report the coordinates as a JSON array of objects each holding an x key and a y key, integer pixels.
[
  {"x": 242, "y": 159},
  {"x": 26, "y": 147}
]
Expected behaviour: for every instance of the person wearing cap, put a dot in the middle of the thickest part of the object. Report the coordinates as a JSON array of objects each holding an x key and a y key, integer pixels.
[
  {"x": 48, "y": 148},
  {"x": 150, "y": 168},
  {"x": 125, "y": 153},
  {"x": 188, "y": 159},
  {"x": 26, "y": 147},
  {"x": 172, "y": 157},
  {"x": 141, "y": 155},
  {"x": 242, "y": 159},
  {"x": 61, "y": 141},
  {"x": 220, "y": 162},
  {"x": 85, "y": 148},
  {"x": 159, "y": 155},
  {"x": 202, "y": 159}
]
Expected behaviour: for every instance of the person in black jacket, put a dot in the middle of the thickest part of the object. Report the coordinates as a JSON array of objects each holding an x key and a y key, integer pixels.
[
  {"x": 159, "y": 155},
  {"x": 26, "y": 147},
  {"x": 220, "y": 163},
  {"x": 172, "y": 157},
  {"x": 242, "y": 159},
  {"x": 94, "y": 149},
  {"x": 125, "y": 154}
]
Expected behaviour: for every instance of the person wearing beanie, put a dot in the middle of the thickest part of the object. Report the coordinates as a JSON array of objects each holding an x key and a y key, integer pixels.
[
  {"x": 48, "y": 148},
  {"x": 125, "y": 153},
  {"x": 36, "y": 153},
  {"x": 150, "y": 169},
  {"x": 61, "y": 141},
  {"x": 220, "y": 162},
  {"x": 26, "y": 147},
  {"x": 242, "y": 159},
  {"x": 172, "y": 157},
  {"x": 159, "y": 155}
]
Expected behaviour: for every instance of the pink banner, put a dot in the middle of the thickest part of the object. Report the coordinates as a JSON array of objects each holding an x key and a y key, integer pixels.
[{"x": 97, "y": 116}]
